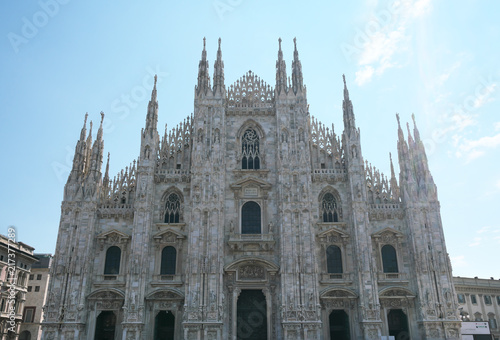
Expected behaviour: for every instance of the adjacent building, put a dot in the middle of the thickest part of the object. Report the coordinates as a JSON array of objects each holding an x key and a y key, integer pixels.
[
  {"x": 251, "y": 219},
  {"x": 36, "y": 296},
  {"x": 479, "y": 300},
  {"x": 16, "y": 259}
]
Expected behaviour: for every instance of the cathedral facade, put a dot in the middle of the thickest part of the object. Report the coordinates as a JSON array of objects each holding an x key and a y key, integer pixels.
[{"x": 250, "y": 220}]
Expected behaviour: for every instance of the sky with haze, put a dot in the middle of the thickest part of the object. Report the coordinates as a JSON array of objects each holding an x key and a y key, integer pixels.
[{"x": 436, "y": 59}]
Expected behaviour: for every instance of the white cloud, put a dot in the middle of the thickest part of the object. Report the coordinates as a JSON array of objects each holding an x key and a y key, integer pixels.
[
  {"x": 485, "y": 97},
  {"x": 483, "y": 230},
  {"x": 477, "y": 241},
  {"x": 472, "y": 149},
  {"x": 386, "y": 35},
  {"x": 442, "y": 78},
  {"x": 364, "y": 75}
]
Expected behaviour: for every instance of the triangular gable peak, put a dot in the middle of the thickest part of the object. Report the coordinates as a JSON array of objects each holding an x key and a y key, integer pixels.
[
  {"x": 113, "y": 237},
  {"x": 168, "y": 236},
  {"x": 388, "y": 235},
  {"x": 251, "y": 187},
  {"x": 251, "y": 181},
  {"x": 332, "y": 236},
  {"x": 250, "y": 91}
]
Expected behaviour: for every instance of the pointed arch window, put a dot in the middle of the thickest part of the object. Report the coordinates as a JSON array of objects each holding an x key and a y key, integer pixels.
[
  {"x": 329, "y": 208},
  {"x": 334, "y": 260},
  {"x": 168, "y": 261},
  {"x": 173, "y": 209},
  {"x": 250, "y": 218},
  {"x": 389, "y": 259},
  {"x": 250, "y": 158},
  {"x": 112, "y": 263}
]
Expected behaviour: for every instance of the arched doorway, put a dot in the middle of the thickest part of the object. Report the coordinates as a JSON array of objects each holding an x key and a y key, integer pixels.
[
  {"x": 398, "y": 324},
  {"x": 164, "y": 325},
  {"x": 339, "y": 325},
  {"x": 26, "y": 335},
  {"x": 105, "y": 326},
  {"x": 251, "y": 316}
]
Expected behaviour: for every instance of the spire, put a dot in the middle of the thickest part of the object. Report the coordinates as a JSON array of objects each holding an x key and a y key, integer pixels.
[
  {"x": 349, "y": 120},
  {"x": 296, "y": 70},
  {"x": 99, "y": 132},
  {"x": 411, "y": 142},
  {"x": 203, "y": 77},
  {"x": 88, "y": 151},
  {"x": 80, "y": 153},
  {"x": 105, "y": 180},
  {"x": 219, "y": 72},
  {"x": 97, "y": 149},
  {"x": 84, "y": 128},
  {"x": 280, "y": 72},
  {"x": 393, "y": 182},
  {"x": 152, "y": 115}
]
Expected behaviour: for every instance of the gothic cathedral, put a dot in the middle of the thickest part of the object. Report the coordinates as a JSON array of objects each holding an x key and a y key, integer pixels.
[{"x": 250, "y": 220}]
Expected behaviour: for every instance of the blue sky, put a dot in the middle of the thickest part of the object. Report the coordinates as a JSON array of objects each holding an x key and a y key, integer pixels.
[{"x": 437, "y": 59}]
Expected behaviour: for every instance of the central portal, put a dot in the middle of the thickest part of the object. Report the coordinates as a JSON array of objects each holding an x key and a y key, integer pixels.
[
  {"x": 251, "y": 315},
  {"x": 164, "y": 326}
]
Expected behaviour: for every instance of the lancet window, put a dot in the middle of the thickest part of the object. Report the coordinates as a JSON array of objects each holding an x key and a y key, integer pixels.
[
  {"x": 329, "y": 208},
  {"x": 250, "y": 158},
  {"x": 173, "y": 209}
]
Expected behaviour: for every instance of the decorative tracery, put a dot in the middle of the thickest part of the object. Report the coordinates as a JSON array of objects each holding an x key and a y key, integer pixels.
[
  {"x": 329, "y": 208},
  {"x": 250, "y": 150},
  {"x": 173, "y": 208}
]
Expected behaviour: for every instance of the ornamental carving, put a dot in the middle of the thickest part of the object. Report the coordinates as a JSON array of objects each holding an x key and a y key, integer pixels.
[
  {"x": 106, "y": 295},
  {"x": 250, "y": 91},
  {"x": 395, "y": 292},
  {"x": 251, "y": 272},
  {"x": 166, "y": 296},
  {"x": 112, "y": 238}
]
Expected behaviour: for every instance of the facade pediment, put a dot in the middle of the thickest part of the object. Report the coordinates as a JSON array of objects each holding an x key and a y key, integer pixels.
[
  {"x": 168, "y": 236},
  {"x": 113, "y": 237},
  {"x": 249, "y": 182},
  {"x": 337, "y": 293},
  {"x": 165, "y": 294},
  {"x": 393, "y": 292},
  {"x": 388, "y": 234},
  {"x": 269, "y": 266},
  {"x": 107, "y": 294}
]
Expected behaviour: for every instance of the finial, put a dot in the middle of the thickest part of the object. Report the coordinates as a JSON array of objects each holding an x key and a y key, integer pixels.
[
  {"x": 295, "y": 43},
  {"x": 279, "y": 41},
  {"x": 397, "y": 117},
  {"x": 343, "y": 77},
  {"x": 413, "y": 118},
  {"x": 204, "y": 42},
  {"x": 85, "y": 121},
  {"x": 156, "y": 78},
  {"x": 219, "y": 43},
  {"x": 102, "y": 116}
]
